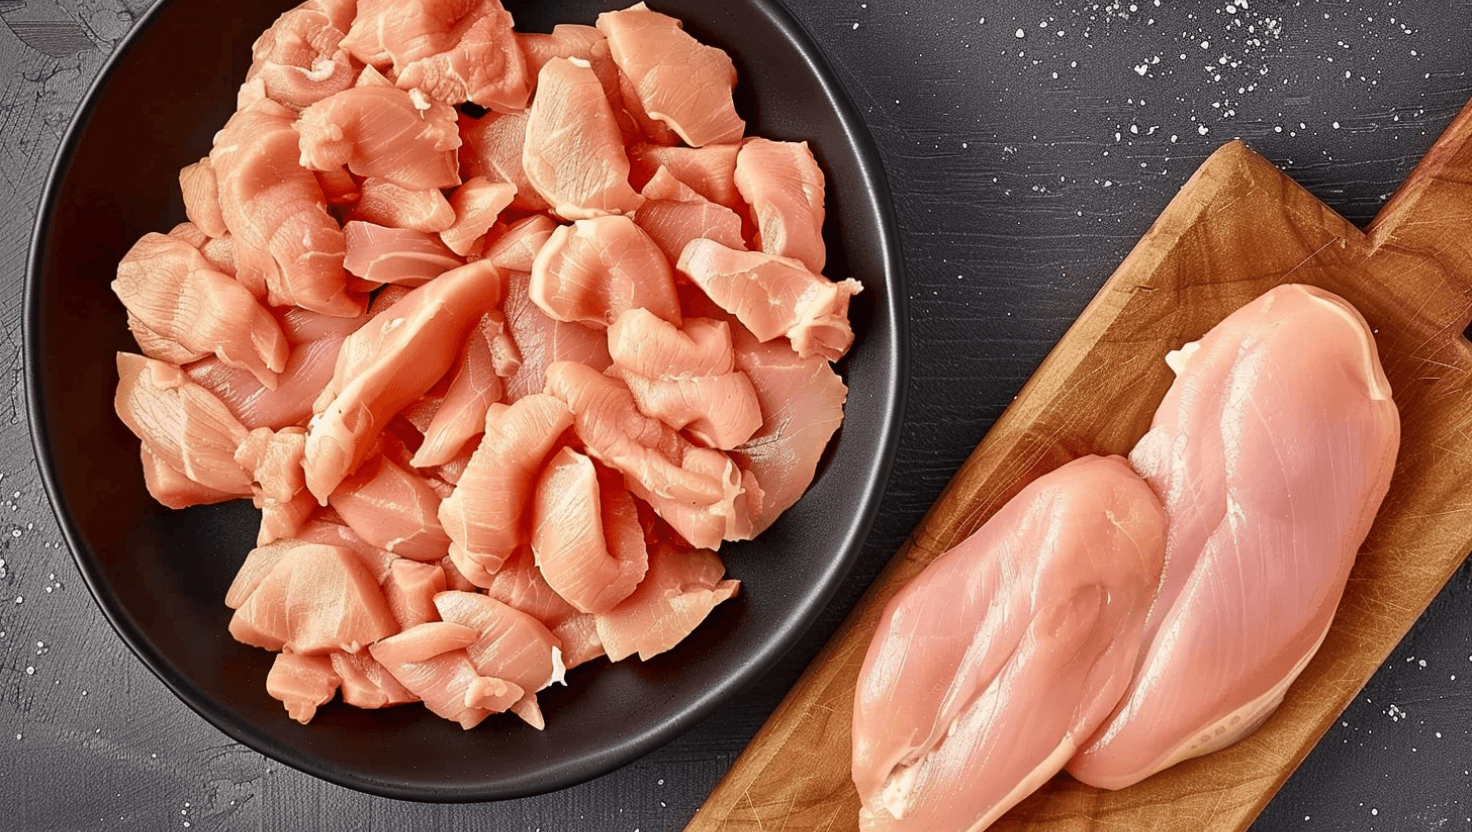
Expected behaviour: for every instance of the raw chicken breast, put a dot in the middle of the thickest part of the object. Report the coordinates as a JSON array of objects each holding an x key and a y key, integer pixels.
[
  {"x": 388, "y": 363},
  {"x": 328, "y": 529},
  {"x": 430, "y": 662},
  {"x": 410, "y": 590},
  {"x": 516, "y": 249},
  {"x": 674, "y": 214},
  {"x": 302, "y": 683},
  {"x": 201, "y": 190},
  {"x": 184, "y": 425},
  {"x": 709, "y": 171},
  {"x": 475, "y": 384},
  {"x": 392, "y": 509},
  {"x": 274, "y": 461},
  {"x": 586, "y": 535},
  {"x": 677, "y": 79},
  {"x": 593, "y": 270},
  {"x": 258, "y": 564},
  {"x": 163, "y": 349},
  {"x": 513, "y": 646},
  {"x": 401, "y": 256},
  {"x": 775, "y": 296},
  {"x": 685, "y": 377},
  {"x": 783, "y": 185},
  {"x": 802, "y": 407},
  {"x": 287, "y": 247},
  {"x": 489, "y": 514},
  {"x": 302, "y": 326},
  {"x": 299, "y": 60},
  {"x": 384, "y": 203},
  {"x": 519, "y": 584},
  {"x": 993, "y": 665},
  {"x": 384, "y": 133},
  {"x": 316, "y": 599},
  {"x": 540, "y": 341},
  {"x": 698, "y": 491},
  {"x": 678, "y": 593},
  {"x": 493, "y": 148},
  {"x": 174, "y": 490},
  {"x": 476, "y": 205},
  {"x": 574, "y": 152},
  {"x": 366, "y": 683},
  {"x": 307, "y": 371},
  {"x": 172, "y": 292},
  {"x": 1272, "y": 451}
]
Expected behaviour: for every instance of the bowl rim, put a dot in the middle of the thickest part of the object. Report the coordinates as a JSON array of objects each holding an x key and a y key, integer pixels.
[{"x": 888, "y": 404}]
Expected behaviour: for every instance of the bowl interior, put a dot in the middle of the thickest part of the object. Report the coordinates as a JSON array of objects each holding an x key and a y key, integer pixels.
[{"x": 160, "y": 575}]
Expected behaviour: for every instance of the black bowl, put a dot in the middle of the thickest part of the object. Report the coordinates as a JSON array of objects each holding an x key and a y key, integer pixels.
[{"x": 160, "y": 576}]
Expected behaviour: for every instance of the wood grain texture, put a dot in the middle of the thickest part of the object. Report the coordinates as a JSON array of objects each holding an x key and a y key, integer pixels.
[{"x": 1238, "y": 227}]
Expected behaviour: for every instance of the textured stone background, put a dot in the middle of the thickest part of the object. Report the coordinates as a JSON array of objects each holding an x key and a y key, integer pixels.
[{"x": 1028, "y": 144}]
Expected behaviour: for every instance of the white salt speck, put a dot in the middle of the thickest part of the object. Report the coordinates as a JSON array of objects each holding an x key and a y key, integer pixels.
[
  {"x": 1203, "y": 129},
  {"x": 1021, "y": 34},
  {"x": 661, "y": 782},
  {"x": 30, "y": 671},
  {"x": 982, "y": 21},
  {"x": 1336, "y": 125},
  {"x": 1438, "y": 735},
  {"x": 1374, "y": 811},
  {"x": 1206, "y": 44},
  {"x": 1278, "y": 129},
  {"x": 1042, "y": 24},
  {"x": 19, "y": 599},
  {"x": 1142, "y": 69},
  {"x": 856, "y": 25},
  {"x": 1422, "y": 662}
]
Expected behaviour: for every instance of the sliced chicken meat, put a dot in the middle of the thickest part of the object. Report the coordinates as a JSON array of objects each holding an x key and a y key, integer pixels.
[
  {"x": 328, "y": 529},
  {"x": 302, "y": 683},
  {"x": 392, "y": 509},
  {"x": 1272, "y": 451},
  {"x": 429, "y": 660},
  {"x": 316, "y": 599},
  {"x": 541, "y": 341},
  {"x": 410, "y": 589},
  {"x": 519, "y": 584},
  {"x": 173, "y": 292},
  {"x": 201, "y": 190},
  {"x": 300, "y": 60},
  {"x": 709, "y": 171},
  {"x": 366, "y": 683},
  {"x": 476, "y": 205},
  {"x": 475, "y": 385},
  {"x": 673, "y": 215},
  {"x": 586, "y": 536},
  {"x": 989, "y": 669},
  {"x": 401, "y": 256},
  {"x": 163, "y": 349},
  {"x": 489, "y": 514},
  {"x": 594, "y": 269},
  {"x": 384, "y": 203},
  {"x": 574, "y": 152},
  {"x": 680, "y": 590},
  {"x": 388, "y": 363},
  {"x": 493, "y": 148},
  {"x": 184, "y": 425},
  {"x": 515, "y": 250},
  {"x": 172, "y": 489},
  {"x": 383, "y": 133},
  {"x": 513, "y": 645},
  {"x": 775, "y": 296},
  {"x": 274, "y": 461},
  {"x": 685, "y": 377},
  {"x": 307, "y": 371},
  {"x": 677, "y": 80},
  {"x": 287, "y": 247},
  {"x": 783, "y": 185}
]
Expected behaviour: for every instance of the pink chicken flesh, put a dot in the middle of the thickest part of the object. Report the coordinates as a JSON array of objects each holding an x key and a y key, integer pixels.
[
  {"x": 991, "y": 667},
  {"x": 1272, "y": 452}
]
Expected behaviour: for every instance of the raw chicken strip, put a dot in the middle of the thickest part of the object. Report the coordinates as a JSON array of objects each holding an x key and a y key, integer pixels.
[
  {"x": 488, "y": 516},
  {"x": 392, "y": 509},
  {"x": 775, "y": 296},
  {"x": 201, "y": 190},
  {"x": 307, "y": 371},
  {"x": 274, "y": 461},
  {"x": 430, "y": 662},
  {"x": 513, "y": 646},
  {"x": 302, "y": 683},
  {"x": 698, "y": 491},
  {"x": 183, "y": 424},
  {"x": 171, "y": 291},
  {"x": 783, "y": 185},
  {"x": 516, "y": 249},
  {"x": 328, "y": 529},
  {"x": 475, "y": 385},
  {"x": 493, "y": 148},
  {"x": 574, "y": 152},
  {"x": 678, "y": 593},
  {"x": 299, "y": 60},
  {"x": 384, "y": 203},
  {"x": 802, "y": 407},
  {"x": 685, "y": 377},
  {"x": 476, "y": 205},
  {"x": 410, "y": 590},
  {"x": 287, "y": 247},
  {"x": 993, "y": 665},
  {"x": 388, "y": 363},
  {"x": 519, "y": 584},
  {"x": 709, "y": 171},
  {"x": 163, "y": 349},
  {"x": 586, "y": 535},
  {"x": 674, "y": 214},
  {"x": 677, "y": 79},
  {"x": 258, "y": 564},
  {"x": 174, "y": 490},
  {"x": 366, "y": 683},
  {"x": 302, "y": 326},
  {"x": 401, "y": 256},
  {"x": 593, "y": 270},
  {"x": 385, "y": 133},
  {"x": 540, "y": 341},
  {"x": 315, "y": 600},
  {"x": 1272, "y": 450}
]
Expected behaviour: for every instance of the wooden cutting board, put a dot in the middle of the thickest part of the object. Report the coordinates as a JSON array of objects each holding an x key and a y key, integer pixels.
[{"x": 1237, "y": 228}]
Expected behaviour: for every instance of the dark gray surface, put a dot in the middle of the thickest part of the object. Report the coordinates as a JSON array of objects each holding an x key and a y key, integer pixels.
[{"x": 1023, "y": 169}]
